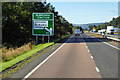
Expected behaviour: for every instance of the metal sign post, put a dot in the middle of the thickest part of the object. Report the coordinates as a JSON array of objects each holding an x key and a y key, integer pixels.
[
  {"x": 36, "y": 40},
  {"x": 48, "y": 39},
  {"x": 43, "y": 39}
]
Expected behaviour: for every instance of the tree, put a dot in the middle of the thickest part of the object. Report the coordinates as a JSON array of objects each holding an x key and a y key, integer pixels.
[{"x": 17, "y": 22}]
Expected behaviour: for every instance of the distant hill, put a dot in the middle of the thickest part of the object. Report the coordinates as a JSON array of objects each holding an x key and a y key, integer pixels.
[{"x": 86, "y": 25}]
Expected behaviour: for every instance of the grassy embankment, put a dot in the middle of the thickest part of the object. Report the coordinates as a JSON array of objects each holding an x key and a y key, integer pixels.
[{"x": 15, "y": 59}]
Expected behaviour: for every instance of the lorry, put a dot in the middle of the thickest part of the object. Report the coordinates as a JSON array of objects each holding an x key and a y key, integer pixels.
[
  {"x": 77, "y": 31},
  {"x": 110, "y": 29}
]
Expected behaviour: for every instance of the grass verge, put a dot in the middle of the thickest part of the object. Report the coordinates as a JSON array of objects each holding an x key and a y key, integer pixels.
[{"x": 21, "y": 57}]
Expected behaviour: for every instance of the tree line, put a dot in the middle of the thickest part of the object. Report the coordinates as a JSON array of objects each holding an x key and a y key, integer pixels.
[
  {"x": 114, "y": 22},
  {"x": 17, "y": 22}
]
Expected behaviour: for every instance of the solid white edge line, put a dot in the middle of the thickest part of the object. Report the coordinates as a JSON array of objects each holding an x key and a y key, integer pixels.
[
  {"x": 44, "y": 61},
  {"x": 107, "y": 43},
  {"x": 110, "y": 45},
  {"x": 97, "y": 69}
]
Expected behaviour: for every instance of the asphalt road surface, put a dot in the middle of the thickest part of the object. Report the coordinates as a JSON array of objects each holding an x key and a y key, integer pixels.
[
  {"x": 72, "y": 60},
  {"x": 105, "y": 56},
  {"x": 79, "y": 57}
]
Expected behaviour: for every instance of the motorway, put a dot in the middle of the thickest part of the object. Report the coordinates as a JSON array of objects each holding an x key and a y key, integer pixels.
[
  {"x": 72, "y": 60},
  {"x": 79, "y": 57},
  {"x": 105, "y": 56}
]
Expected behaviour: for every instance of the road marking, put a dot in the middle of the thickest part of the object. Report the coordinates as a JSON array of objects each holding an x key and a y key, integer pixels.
[
  {"x": 97, "y": 69},
  {"x": 45, "y": 60},
  {"x": 110, "y": 45},
  {"x": 107, "y": 43},
  {"x": 91, "y": 57},
  {"x": 88, "y": 50}
]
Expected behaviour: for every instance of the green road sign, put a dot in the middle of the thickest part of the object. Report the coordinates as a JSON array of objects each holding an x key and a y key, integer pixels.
[{"x": 43, "y": 24}]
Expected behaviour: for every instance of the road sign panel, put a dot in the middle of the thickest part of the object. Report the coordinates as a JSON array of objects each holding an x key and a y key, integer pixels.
[{"x": 43, "y": 24}]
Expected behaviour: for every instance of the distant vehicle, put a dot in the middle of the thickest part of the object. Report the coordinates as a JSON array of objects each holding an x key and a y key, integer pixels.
[
  {"x": 77, "y": 31},
  {"x": 94, "y": 30},
  {"x": 110, "y": 29},
  {"x": 102, "y": 31},
  {"x": 116, "y": 29}
]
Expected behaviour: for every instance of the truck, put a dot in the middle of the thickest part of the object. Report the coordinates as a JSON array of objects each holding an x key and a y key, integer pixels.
[
  {"x": 110, "y": 29},
  {"x": 77, "y": 31}
]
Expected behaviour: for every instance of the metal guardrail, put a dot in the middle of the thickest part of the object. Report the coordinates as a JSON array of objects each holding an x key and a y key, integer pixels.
[
  {"x": 115, "y": 39},
  {"x": 110, "y": 38}
]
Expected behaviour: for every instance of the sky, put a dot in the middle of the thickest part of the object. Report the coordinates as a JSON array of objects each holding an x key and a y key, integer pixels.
[
  {"x": 78, "y": 12},
  {"x": 82, "y": 0}
]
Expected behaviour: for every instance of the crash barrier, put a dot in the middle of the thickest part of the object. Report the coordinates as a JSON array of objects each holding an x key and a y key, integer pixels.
[
  {"x": 110, "y": 38},
  {"x": 114, "y": 39}
]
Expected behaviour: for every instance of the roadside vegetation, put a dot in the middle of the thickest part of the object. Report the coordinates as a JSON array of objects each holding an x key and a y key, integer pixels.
[
  {"x": 8, "y": 54},
  {"x": 115, "y": 22},
  {"x": 18, "y": 42},
  {"x": 14, "y": 56},
  {"x": 24, "y": 55},
  {"x": 17, "y": 22}
]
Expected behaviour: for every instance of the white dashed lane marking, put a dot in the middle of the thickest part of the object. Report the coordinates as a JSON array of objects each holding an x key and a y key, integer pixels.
[{"x": 97, "y": 69}]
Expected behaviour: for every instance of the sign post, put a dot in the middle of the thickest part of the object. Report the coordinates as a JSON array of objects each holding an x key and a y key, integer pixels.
[
  {"x": 48, "y": 39},
  {"x": 42, "y": 25},
  {"x": 43, "y": 39},
  {"x": 36, "y": 40}
]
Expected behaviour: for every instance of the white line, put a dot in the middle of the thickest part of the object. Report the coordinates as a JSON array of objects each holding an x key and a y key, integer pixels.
[
  {"x": 91, "y": 57},
  {"x": 107, "y": 43},
  {"x": 97, "y": 69},
  {"x": 44, "y": 60},
  {"x": 88, "y": 50}
]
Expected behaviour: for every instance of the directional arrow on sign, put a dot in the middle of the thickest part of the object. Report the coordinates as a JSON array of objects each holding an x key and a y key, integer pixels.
[{"x": 49, "y": 30}]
